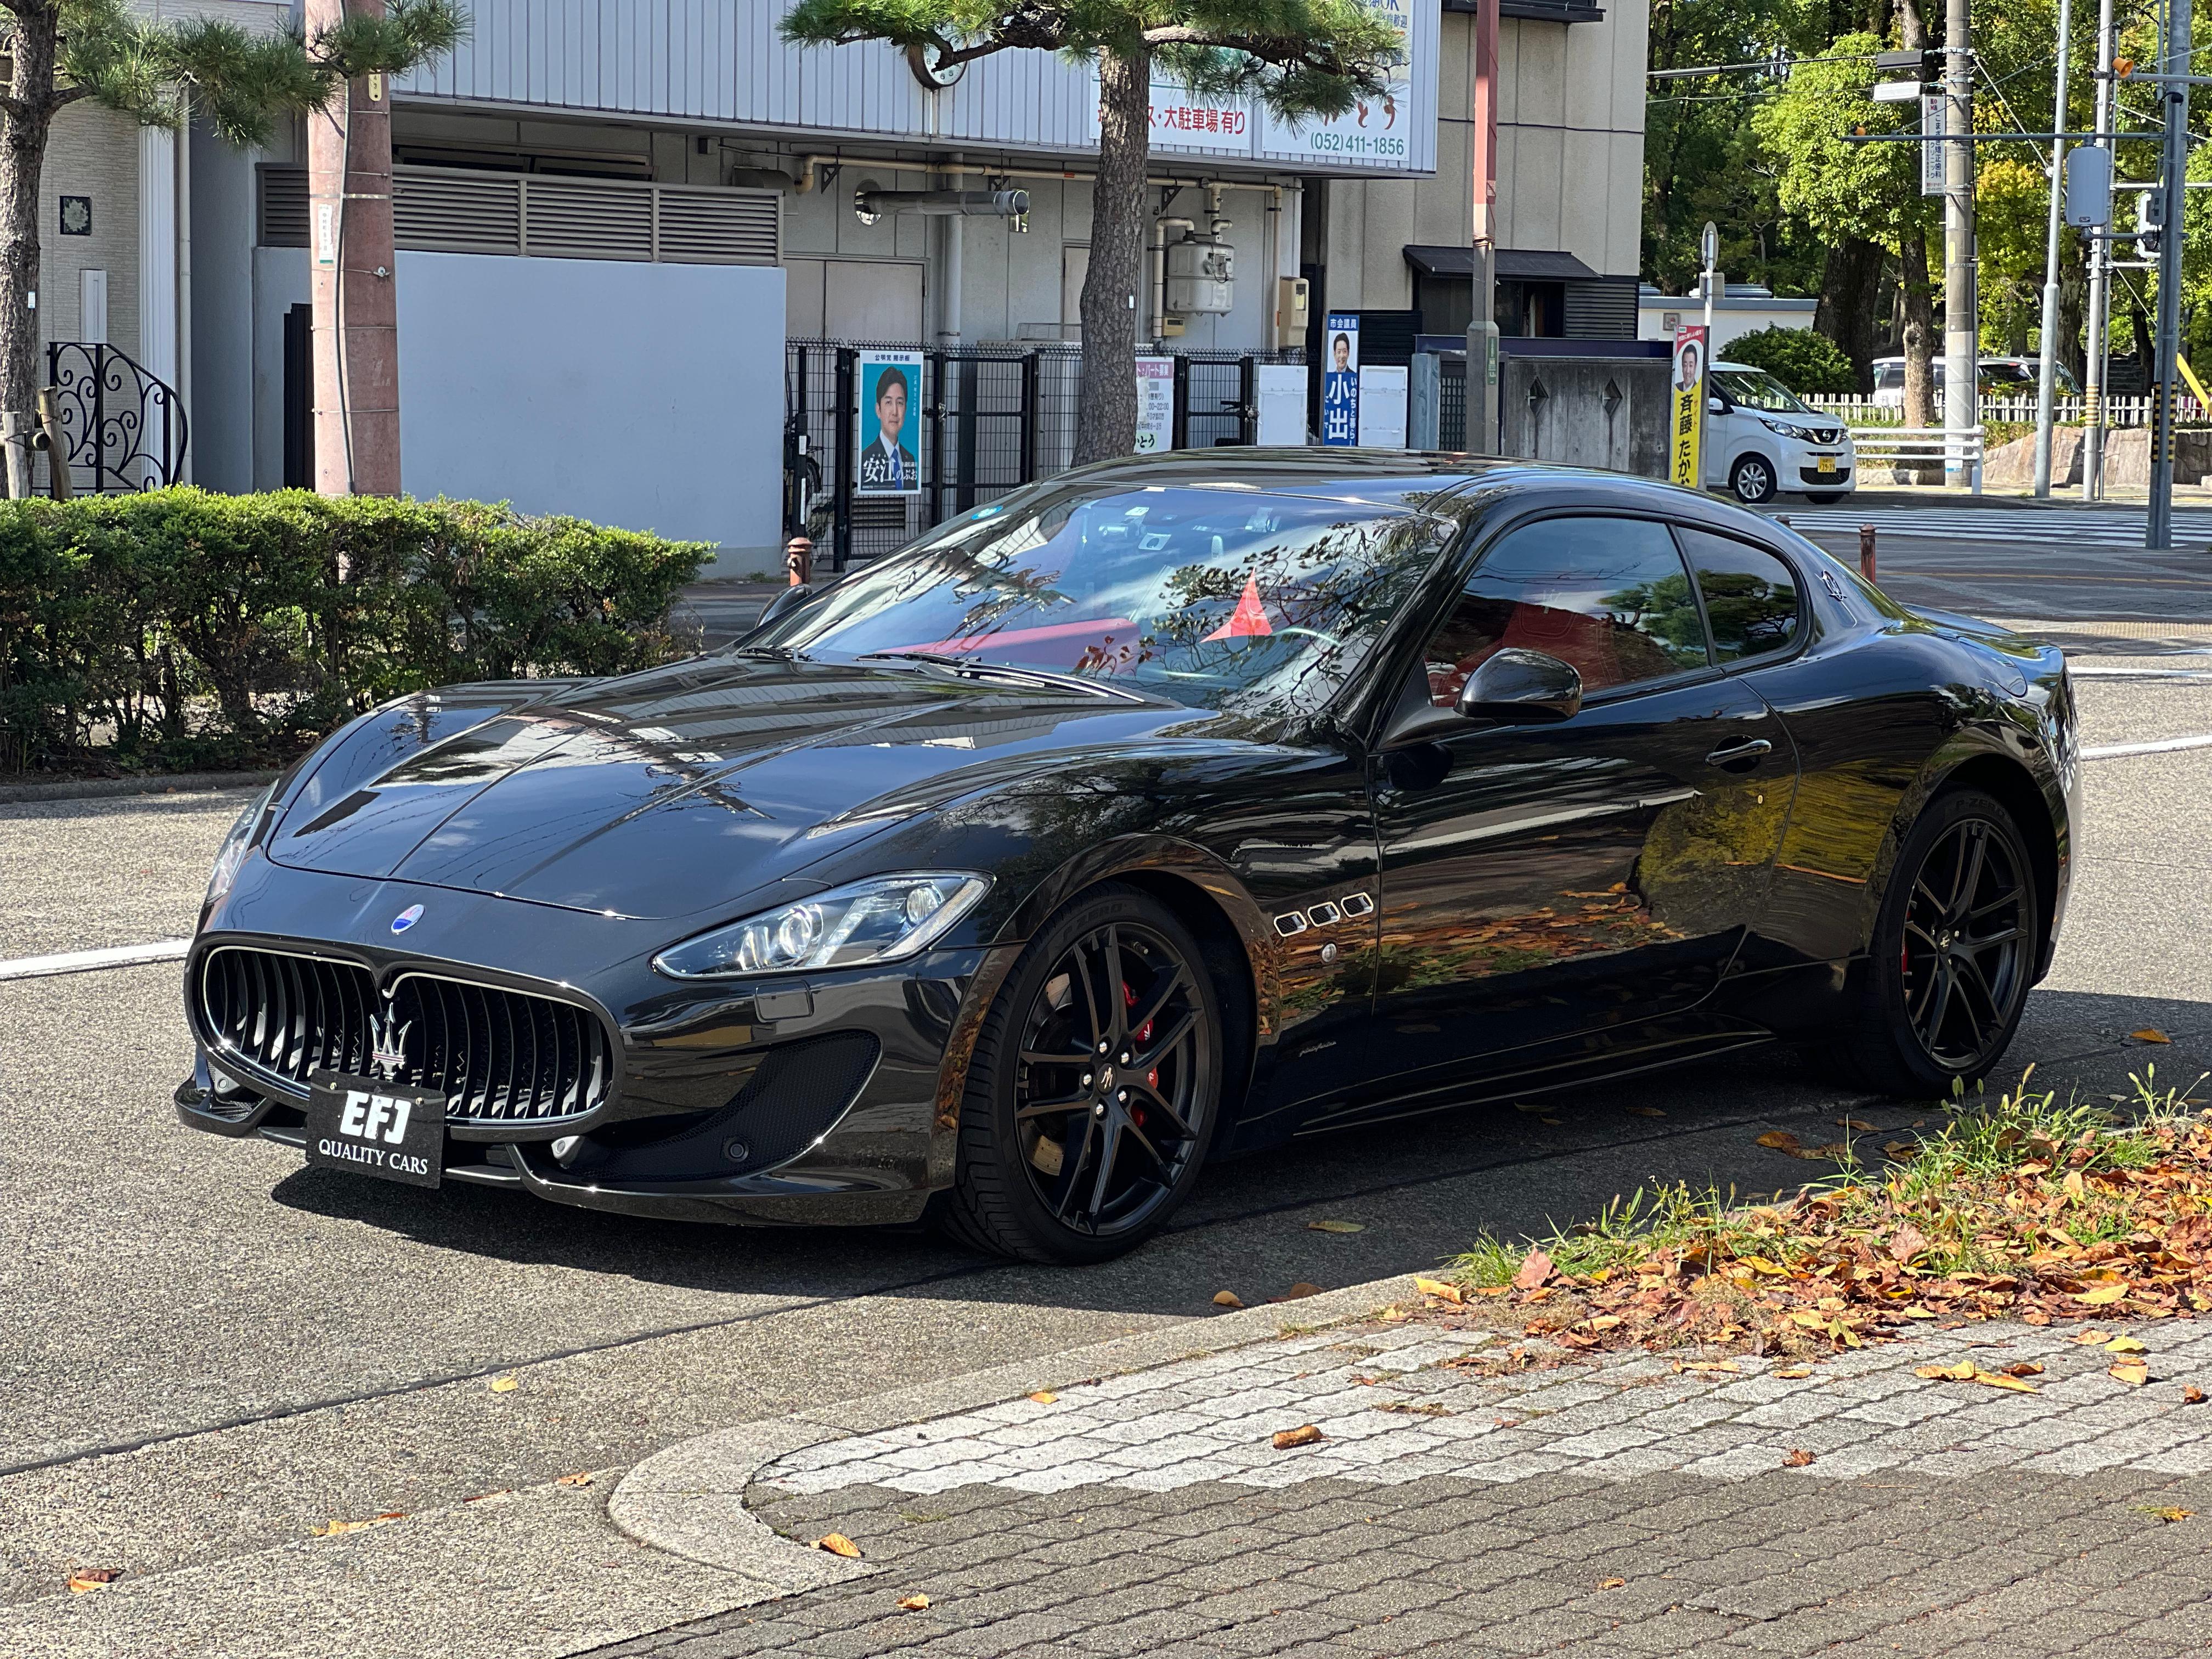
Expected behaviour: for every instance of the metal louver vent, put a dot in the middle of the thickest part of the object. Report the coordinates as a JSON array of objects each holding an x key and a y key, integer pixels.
[{"x": 440, "y": 209}]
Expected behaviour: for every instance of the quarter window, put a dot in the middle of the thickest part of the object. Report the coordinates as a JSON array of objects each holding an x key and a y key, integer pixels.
[
  {"x": 1751, "y": 596},
  {"x": 1609, "y": 596}
]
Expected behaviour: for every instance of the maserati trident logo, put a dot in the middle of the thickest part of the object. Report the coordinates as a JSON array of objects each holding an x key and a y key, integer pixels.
[
  {"x": 388, "y": 1044},
  {"x": 407, "y": 919}
]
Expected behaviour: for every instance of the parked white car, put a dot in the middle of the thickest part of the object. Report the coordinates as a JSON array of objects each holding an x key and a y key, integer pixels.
[{"x": 1761, "y": 439}]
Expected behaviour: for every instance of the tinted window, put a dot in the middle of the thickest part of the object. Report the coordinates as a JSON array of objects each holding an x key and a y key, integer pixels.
[
  {"x": 1751, "y": 596},
  {"x": 1610, "y": 596},
  {"x": 1228, "y": 599}
]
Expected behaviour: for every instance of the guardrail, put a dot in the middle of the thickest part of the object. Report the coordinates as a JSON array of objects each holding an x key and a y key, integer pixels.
[{"x": 1920, "y": 447}]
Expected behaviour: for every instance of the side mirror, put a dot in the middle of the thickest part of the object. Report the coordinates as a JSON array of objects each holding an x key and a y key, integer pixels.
[
  {"x": 1716, "y": 405},
  {"x": 789, "y": 599},
  {"x": 1518, "y": 685}
]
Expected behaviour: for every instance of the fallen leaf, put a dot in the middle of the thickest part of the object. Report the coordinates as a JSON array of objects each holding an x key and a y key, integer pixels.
[
  {"x": 1297, "y": 1292},
  {"x": 2150, "y": 1034},
  {"x": 583, "y": 1479},
  {"x": 1554, "y": 1122},
  {"x": 1611, "y": 1583},
  {"x": 2102, "y": 1296},
  {"x": 2133, "y": 1372},
  {"x": 2192, "y": 1395},
  {"x": 490, "y": 1497},
  {"x": 1645, "y": 1111},
  {"x": 913, "y": 1603},
  {"x": 1916, "y": 1311},
  {"x": 1336, "y": 1226},
  {"x": 1907, "y": 1242},
  {"x": 1227, "y": 1299},
  {"x": 1535, "y": 1268},
  {"x": 1044, "y": 1396},
  {"x": 1710, "y": 1365},
  {"x": 1781, "y": 1140},
  {"x": 1857, "y": 1126},
  {"x": 1961, "y": 1372},
  {"x": 2023, "y": 1368},
  {"x": 1999, "y": 1380},
  {"x": 2091, "y": 1339},
  {"x": 1900, "y": 1148},
  {"x": 2125, "y": 1345},
  {"x": 837, "y": 1544},
  {"x": 81, "y": 1579},
  {"x": 339, "y": 1529},
  {"x": 2170, "y": 1515},
  {"x": 2073, "y": 1186},
  {"x": 504, "y": 1385},
  {"x": 1793, "y": 1372},
  {"x": 1304, "y": 1434},
  {"x": 1799, "y": 1458},
  {"x": 1442, "y": 1290}
]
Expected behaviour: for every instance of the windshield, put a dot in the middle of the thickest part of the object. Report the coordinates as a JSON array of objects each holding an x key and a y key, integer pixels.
[
  {"x": 1755, "y": 388},
  {"x": 1228, "y": 599}
]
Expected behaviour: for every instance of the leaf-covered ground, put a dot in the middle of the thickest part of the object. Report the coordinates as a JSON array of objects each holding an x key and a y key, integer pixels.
[{"x": 2027, "y": 1210}]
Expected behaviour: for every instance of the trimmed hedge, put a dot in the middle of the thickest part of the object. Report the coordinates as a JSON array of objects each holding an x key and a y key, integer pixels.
[
  {"x": 1808, "y": 363},
  {"x": 178, "y": 629}
]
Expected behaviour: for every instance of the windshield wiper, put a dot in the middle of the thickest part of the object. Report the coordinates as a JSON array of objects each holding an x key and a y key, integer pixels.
[
  {"x": 770, "y": 653},
  {"x": 1004, "y": 671}
]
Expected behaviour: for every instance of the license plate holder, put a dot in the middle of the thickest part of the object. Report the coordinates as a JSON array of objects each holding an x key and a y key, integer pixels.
[
  {"x": 376, "y": 1129},
  {"x": 1826, "y": 463}
]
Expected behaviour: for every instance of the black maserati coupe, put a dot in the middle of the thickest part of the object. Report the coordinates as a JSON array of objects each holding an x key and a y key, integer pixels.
[{"x": 1161, "y": 812}]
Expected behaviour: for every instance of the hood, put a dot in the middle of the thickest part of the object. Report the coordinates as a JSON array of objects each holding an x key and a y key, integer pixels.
[{"x": 677, "y": 790}]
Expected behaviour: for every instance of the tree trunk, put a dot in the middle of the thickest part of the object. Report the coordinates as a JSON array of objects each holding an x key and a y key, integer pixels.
[
  {"x": 2073, "y": 312},
  {"x": 1850, "y": 287},
  {"x": 1106, "y": 418},
  {"x": 23, "y": 133},
  {"x": 1919, "y": 332}
]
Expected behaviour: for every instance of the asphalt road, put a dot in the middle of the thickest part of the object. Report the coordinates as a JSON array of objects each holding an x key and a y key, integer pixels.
[{"x": 207, "y": 1351}]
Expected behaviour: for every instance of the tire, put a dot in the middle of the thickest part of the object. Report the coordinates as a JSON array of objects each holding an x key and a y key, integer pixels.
[
  {"x": 1824, "y": 497},
  {"x": 1752, "y": 479},
  {"x": 1953, "y": 951},
  {"x": 1136, "y": 1129}
]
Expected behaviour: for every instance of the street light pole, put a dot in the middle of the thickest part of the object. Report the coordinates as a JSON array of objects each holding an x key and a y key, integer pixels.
[
  {"x": 1709, "y": 245},
  {"x": 1961, "y": 311},
  {"x": 2158, "y": 528},
  {"x": 2093, "y": 357},
  {"x": 2047, "y": 368}
]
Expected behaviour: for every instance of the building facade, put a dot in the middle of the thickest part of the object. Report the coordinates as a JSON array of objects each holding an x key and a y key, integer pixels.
[{"x": 615, "y": 221}]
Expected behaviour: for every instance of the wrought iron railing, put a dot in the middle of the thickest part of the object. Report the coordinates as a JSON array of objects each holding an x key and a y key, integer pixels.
[{"x": 122, "y": 429}]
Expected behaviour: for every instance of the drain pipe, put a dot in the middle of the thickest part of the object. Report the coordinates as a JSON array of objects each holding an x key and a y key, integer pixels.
[{"x": 954, "y": 232}]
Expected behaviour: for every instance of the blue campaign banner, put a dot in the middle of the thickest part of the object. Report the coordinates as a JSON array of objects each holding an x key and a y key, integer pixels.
[
  {"x": 1340, "y": 381},
  {"x": 890, "y": 424}
]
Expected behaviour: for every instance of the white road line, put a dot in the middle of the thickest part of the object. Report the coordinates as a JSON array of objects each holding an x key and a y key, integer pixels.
[
  {"x": 85, "y": 962},
  {"x": 2163, "y": 746}
]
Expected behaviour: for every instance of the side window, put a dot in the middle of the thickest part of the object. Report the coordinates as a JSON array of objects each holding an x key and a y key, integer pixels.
[
  {"x": 1751, "y": 596},
  {"x": 1609, "y": 596}
]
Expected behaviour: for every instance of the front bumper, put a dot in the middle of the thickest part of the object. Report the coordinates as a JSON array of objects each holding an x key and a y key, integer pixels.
[{"x": 777, "y": 1102}]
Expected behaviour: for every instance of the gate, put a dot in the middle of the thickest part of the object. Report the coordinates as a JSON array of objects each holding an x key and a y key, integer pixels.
[{"x": 993, "y": 418}]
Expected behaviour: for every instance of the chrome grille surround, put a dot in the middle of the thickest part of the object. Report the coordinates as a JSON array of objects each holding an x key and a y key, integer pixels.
[{"x": 498, "y": 1054}]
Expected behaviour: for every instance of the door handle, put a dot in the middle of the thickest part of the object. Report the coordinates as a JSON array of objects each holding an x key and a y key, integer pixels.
[{"x": 1740, "y": 757}]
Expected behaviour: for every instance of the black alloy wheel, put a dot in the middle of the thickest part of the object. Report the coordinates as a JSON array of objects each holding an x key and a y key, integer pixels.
[
  {"x": 1094, "y": 1088},
  {"x": 1954, "y": 953},
  {"x": 1752, "y": 479}
]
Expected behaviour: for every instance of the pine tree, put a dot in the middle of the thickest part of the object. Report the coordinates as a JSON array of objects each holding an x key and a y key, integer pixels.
[
  {"x": 1301, "y": 58},
  {"x": 161, "y": 73}
]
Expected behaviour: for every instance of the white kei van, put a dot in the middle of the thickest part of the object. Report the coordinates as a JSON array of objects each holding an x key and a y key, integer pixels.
[{"x": 1761, "y": 439}]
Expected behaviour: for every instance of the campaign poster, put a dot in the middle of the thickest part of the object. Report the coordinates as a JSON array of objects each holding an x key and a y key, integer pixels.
[
  {"x": 1155, "y": 404},
  {"x": 1339, "y": 381},
  {"x": 1689, "y": 381},
  {"x": 890, "y": 424}
]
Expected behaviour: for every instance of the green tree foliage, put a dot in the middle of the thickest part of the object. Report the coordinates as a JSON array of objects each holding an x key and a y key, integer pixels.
[
  {"x": 1804, "y": 361},
  {"x": 1300, "y": 58},
  {"x": 161, "y": 72}
]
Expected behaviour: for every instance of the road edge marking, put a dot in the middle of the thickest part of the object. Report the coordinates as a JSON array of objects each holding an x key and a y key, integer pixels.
[{"x": 85, "y": 962}]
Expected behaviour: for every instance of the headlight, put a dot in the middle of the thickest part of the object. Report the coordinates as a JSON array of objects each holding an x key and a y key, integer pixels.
[
  {"x": 232, "y": 854},
  {"x": 1785, "y": 429},
  {"x": 866, "y": 921}
]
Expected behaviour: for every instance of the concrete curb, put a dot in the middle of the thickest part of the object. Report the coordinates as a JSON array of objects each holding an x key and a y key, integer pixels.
[
  {"x": 690, "y": 1499},
  {"x": 102, "y": 788}
]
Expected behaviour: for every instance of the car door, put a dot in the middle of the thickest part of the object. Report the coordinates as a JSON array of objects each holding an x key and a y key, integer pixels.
[{"x": 1550, "y": 881}]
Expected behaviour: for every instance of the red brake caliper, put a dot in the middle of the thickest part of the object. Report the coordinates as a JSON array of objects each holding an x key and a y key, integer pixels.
[{"x": 1142, "y": 1035}]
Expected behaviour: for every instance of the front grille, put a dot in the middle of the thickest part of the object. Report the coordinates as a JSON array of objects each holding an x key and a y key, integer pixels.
[
  {"x": 1813, "y": 475},
  {"x": 497, "y": 1056}
]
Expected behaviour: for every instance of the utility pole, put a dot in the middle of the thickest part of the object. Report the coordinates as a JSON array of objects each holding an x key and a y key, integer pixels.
[
  {"x": 1482, "y": 433},
  {"x": 2047, "y": 370},
  {"x": 1709, "y": 245},
  {"x": 1962, "y": 403},
  {"x": 350, "y": 266},
  {"x": 2100, "y": 254},
  {"x": 2173, "y": 87}
]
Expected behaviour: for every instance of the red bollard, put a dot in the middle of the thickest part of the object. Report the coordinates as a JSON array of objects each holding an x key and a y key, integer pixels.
[
  {"x": 1866, "y": 551},
  {"x": 799, "y": 560}
]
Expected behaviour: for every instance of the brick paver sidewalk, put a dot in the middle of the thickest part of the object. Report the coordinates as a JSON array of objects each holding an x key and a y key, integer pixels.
[{"x": 1464, "y": 1502}]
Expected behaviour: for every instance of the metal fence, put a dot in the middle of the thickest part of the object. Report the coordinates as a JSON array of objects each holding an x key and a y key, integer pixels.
[
  {"x": 122, "y": 429},
  {"x": 2119, "y": 412},
  {"x": 993, "y": 418}
]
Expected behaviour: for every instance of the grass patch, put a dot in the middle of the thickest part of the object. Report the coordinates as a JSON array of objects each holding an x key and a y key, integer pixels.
[{"x": 2029, "y": 1207}]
